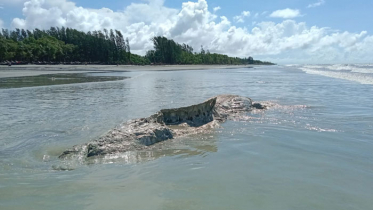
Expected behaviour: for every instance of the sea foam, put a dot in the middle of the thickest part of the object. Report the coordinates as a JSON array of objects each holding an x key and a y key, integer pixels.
[{"x": 361, "y": 73}]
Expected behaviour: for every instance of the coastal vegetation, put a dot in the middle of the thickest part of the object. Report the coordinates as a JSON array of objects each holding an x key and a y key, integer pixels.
[
  {"x": 67, "y": 45},
  {"x": 170, "y": 52}
]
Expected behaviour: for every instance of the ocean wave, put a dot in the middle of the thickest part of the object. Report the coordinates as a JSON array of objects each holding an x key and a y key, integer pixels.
[
  {"x": 351, "y": 73},
  {"x": 357, "y": 68},
  {"x": 367, "y": 69}
]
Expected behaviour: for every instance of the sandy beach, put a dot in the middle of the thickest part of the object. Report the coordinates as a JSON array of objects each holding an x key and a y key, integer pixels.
[{"x": 34, "y": 70}]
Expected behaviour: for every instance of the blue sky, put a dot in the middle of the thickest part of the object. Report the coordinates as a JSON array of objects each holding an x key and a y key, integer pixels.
[
  {"x": 345, "y": 15},
  {"x": 338, "y": 14},
  {"x": 279, "y": 27}
]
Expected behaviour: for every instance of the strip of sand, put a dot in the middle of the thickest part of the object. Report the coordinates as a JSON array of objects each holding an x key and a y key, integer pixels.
[{"x": 35, "y": 70}]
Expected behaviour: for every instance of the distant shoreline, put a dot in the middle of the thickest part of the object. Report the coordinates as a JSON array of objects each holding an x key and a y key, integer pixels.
[{"x": 35, "y": 70}]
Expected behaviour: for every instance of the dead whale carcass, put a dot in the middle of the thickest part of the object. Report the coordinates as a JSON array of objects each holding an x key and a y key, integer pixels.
[{"x": 164, "y": 125}]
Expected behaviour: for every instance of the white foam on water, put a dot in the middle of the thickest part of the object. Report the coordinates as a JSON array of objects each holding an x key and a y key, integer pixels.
[
  {"x": 314, "y": 66},
  {"x": 357, "y": 68},
  {"x": 292, "y": 65},
  {"x": 362, "y": 73},
  {"x": 318, "y": 129}
]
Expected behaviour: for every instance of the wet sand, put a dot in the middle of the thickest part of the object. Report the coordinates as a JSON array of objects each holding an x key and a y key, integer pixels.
[{"x": 35, "y": 70}]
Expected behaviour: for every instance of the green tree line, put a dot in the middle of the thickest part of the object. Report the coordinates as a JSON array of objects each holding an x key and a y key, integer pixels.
[
  {"x": 167, "y": 51},
  {"x": 66, "y": 45}
]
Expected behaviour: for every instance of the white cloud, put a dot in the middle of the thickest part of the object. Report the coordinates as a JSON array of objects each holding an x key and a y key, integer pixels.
[
  {"x": 241, "y": 18},
  {"x": 191, "y": 17},
  {"x": 316, "y": 4},
  {"x": 285, "y": 13},
  {"x": 194, "y": 24},
  {"x": 1, "y": 23},
  {"x": 217, "y": 9}
]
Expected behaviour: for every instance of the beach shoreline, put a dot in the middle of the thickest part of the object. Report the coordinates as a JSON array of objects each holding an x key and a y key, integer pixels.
[{"x": 36, "y": 70}]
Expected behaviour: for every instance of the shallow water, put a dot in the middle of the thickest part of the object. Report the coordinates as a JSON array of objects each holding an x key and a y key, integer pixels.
[
  {"x": 310, "y": 150},
  {"x": 54, "y": 79}
]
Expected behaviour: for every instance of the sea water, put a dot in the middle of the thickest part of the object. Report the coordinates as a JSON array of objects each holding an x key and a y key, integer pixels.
[{"x": 312, "y": 149}]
